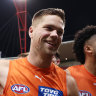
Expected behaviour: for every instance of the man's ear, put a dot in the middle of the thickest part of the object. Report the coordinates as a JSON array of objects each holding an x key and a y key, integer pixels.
[
  {"x": 88, "y": 49},
  {"x": 30, "y": 31}
]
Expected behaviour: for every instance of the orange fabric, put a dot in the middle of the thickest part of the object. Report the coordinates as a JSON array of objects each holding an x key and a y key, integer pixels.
[
  {"x": 86, "y": 81},
  {"x": 36, "y": 81}
]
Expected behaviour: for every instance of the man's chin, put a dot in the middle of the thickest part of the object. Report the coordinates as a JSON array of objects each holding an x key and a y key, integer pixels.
[{"x": 52, "y": 52}]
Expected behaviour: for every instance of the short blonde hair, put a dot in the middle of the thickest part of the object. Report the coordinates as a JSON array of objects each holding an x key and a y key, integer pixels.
[{"x": 49, "y": 11}]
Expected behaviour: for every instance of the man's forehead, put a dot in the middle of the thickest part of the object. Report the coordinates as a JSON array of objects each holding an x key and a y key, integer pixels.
[
  {"x": 53, "y": 17},
  {"x": 53, "y": 21}
]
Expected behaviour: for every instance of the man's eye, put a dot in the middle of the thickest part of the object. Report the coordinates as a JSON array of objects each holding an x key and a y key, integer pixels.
[
  {"x": 49, "y": 28},
  {"x": 60, "y": 33}
]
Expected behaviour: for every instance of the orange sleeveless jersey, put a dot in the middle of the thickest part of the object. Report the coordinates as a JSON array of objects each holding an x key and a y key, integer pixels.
[
  {"x": 24, "y": 79},
  {"x": 86, "y": 82}
]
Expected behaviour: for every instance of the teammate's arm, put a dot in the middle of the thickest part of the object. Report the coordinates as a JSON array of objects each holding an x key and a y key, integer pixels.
[{"x": 72, "y": 89}]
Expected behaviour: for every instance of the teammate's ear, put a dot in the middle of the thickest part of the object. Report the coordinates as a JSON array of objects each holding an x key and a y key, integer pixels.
[
  {"x": 30, "y": 31},
  {"x": 88, "y": 49}
]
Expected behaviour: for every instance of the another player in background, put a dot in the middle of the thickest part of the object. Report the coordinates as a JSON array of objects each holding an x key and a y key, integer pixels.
[{"x": 85, "y": 52}]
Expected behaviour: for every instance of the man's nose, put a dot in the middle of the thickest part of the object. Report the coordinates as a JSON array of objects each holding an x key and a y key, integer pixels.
[{"x": 54, "y": 34}]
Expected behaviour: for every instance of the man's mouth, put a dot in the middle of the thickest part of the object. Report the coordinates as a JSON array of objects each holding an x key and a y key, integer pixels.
[{"x": 51, "y": 43}]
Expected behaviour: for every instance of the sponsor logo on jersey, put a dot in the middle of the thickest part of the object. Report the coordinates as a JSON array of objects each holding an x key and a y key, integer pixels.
[
  {"x": 84, "y": 93},
  {"x": 20, "y": 88},
  {"x": 47, "y": 91},
  {"x": 38, "y": 78}
]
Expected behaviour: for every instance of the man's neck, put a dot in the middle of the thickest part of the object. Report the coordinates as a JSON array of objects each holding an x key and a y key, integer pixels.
[
  {"x": 40, "y": 61},
  {"x": 90, "y": 65}
]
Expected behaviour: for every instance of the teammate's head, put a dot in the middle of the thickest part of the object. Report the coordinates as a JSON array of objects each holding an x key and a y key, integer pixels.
[
  {"x": 56, "y": 58},
  {"x": 84, "y": 43}
]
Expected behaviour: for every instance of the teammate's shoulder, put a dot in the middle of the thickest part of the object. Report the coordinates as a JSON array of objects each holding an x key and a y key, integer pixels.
[{"x": 74, "y": 67}]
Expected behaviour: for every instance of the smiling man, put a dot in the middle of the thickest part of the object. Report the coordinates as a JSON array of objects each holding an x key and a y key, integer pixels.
[{"x": 36, "y": 75}]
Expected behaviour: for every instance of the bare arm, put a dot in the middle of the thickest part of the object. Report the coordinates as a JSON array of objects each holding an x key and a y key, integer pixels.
[
  {"x": 72, "y": 89},
  {"x": 67, "y": 71},
  {"x": 4, "y": 67}
]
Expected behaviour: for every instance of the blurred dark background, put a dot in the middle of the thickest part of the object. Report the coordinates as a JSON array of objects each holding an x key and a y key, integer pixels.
[{"x": 79, "y": 13}]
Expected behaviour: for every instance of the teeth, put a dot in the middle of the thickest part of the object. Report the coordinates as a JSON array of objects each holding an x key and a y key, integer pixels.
[{"x": 51, "y": 43}]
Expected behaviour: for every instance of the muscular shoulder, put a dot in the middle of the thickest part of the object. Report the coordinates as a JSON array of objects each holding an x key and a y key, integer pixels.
[
  {"x": 75, "y": 70},
  {"x": 4, "y": 62},
  {"x": 4, "y": 66},
  {"x": 72, "y": 89}
]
